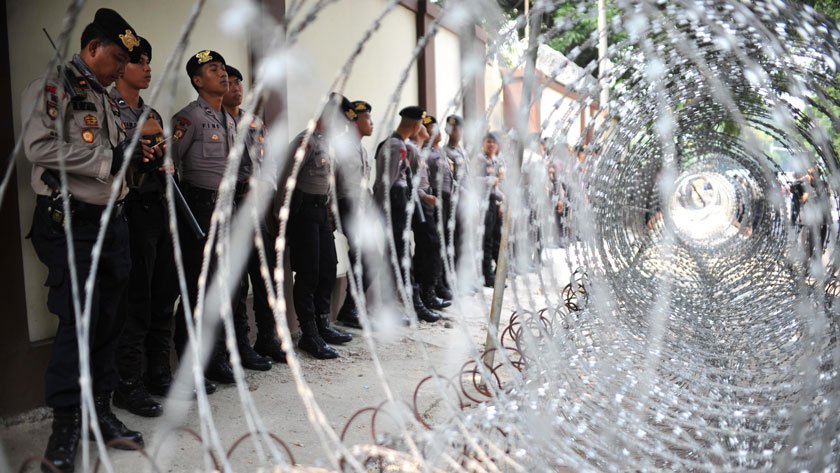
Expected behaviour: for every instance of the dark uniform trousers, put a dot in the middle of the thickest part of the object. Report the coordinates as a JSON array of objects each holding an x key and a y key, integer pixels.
[
  {"x": 312, "y": 254},
  {"x": 427, "y": 262},
  {"x": 492, "y": 234},
  {"x": 153, "y": 287},
  {"x": 202, "y": 202},
  {"x": 399, "y": 220},
  {"x": 345, "y": 213},
  {"x": 263, "y": 316},
  {"x": 49, "y": 241}
]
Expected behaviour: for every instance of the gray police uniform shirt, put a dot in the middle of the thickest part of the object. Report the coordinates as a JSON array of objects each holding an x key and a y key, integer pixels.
[
  {"x": 202, "y": 139},
  {"x": 419, "y": 169},
  {"x": 254, "y": 146},
  {"x": 457, "y": 158},
  {"x": 391, "y": 162},
  {"x": 314, "y": 174},
  {"x": 92, "y": 129},
  {"x": 352, "y": 171},
  {"x": 139, "y": 182},
  {"x": 441, "y": 172}
]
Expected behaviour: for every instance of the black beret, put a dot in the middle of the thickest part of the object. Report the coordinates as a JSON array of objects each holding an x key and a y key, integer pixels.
[
  {"x": 454, "y": 120},
  {"x": 360, "y": 106},
  {"x": 233, "y": 72},
  {"x": 144, "y": 48},
  {"x": 413, "y": 113},
  {"x": 429, "y": 120},
  {"x": 492, "y": 136},
  {"x": 200, "y": 58},
  {"x": 117, "y": 30}
]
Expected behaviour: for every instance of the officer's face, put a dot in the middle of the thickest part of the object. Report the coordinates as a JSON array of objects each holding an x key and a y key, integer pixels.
[
  {"x": 233, "y": 97},
  {"x": 138, "y": 74},
  {"x": 212, "y": 78},
  {"x": 365, "y": 124},
  {"x": 490, "y": 147},
  {"x": 455, "y": 133},
  {"x": 108, "y": 61}
]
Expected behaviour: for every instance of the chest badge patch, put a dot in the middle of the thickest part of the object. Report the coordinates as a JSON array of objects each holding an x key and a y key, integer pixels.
[
  {"x": 87, "y": 136},
  {"x": 214, "y": 137},
  {"x": 91, "y": 120},
  {"x": 52, "y": 111}
]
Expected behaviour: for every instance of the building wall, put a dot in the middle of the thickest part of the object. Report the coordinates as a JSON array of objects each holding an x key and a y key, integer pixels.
[
  {"x": 447, "y": 74},
  {"x": 31, "y": 52},
  {"x": 325, "y": 46}
]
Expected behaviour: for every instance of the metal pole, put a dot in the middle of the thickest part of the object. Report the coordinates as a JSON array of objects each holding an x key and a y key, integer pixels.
[
  {"x": 491, "y": 342},
  {"x": 602, "y": 52}
]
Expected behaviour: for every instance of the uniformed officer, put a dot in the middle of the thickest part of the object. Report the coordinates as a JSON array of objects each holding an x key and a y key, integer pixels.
[
  {"x": 492, "y": 214},
  {"x": 75, "y": 120},
  {"x": 426, "y": 261},
  {"x": 152, "y": 288},
  {"x": 457, "y": 158},
  {"x": 204, "y": 133},
  {"x": 267, "y": 344},
  {"x": 352, "y": 180},
  {"x": 392, "y": 183},
  {"x": 310, "y": 233},
  {"x": 441, "y": 179}
]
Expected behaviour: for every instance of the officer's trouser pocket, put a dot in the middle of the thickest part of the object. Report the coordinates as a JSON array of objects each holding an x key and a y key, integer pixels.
[{"x": 59, "y": 298}]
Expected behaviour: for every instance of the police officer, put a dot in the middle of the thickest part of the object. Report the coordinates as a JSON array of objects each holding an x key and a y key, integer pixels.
[
  {"x": 352, "y": 180},
  {"x": 75, "y": 120},
  {"x": 310, "y": 233},
  {"x": 152, "y": 288},
  {"x": 267, "y": 344},
  {"x": 438, "y": 168},
  {"x": 392, "y": 178},
  {"x": 426, "y": 261},
  {"x": 492, "y": 215},
  {"x": 457, "y": 159},
  {"x": 204, "y": 133}
]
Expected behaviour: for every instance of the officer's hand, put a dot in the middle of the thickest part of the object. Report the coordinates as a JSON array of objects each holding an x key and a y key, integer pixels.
[
  {"x": 168, "y": 169},
  {"x": 153, "y": 131},
  {"x": 142, "y": 153},
  {"x": 430, "y": 200}
]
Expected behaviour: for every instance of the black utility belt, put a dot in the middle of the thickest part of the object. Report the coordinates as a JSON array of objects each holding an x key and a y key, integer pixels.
[
  {"x": 199, "y": 192},
  {"x": 314, "y": 199},
  {"x": 80, "y": 210}
]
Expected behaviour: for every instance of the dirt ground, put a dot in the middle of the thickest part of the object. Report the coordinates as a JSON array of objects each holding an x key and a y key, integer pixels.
[{"x": 341, "y": 387}]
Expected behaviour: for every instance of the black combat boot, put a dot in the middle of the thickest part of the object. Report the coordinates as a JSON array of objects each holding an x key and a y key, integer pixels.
[
  {"x": 218, "y": 369},
  {"x": 330, "y": 334},
  {"x": 442, "y": 290},
  {"x": 132, "y": 396},
  {"x": 430, "y": 300},
  {"x": 64, "y": 440},
  {"x": 111, "y": 427},
  {"x": 349, "y": 315},
  {"x": 250, "y": 359},
  {"x": 269, "y": 346},
  {"x": 312, "y": 343},
  {"x": 423, "y": 313}
]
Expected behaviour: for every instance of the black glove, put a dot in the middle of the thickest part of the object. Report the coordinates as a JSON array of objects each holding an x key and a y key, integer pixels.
[{"x": 119, "y": 156}]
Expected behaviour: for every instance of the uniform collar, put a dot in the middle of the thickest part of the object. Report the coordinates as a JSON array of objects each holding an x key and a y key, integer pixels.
[
  {"x": 209, "y": 110},
  {"x": 118, "y": 97},
  {"x": 83, "y": 68}
]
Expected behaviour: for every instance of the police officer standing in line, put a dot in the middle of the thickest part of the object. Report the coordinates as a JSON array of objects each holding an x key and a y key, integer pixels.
[
  {"x": 267, "y": 344},
  {"x": 352, "y": 178},
  {"x": 74, "y": 102},
  {"x": 433, "y": 161},
  {"x": 426, "y": 266},
  {"x": 204, "y": 133},
  {"x": 442, "y": 180},
  {"x": 392, "y": 178},
  {"x": 492, "y": 215},
  {"x": 153, "y": 287},
  {"x": 310, "y": 233},
  {"x": 457, "y": 158}
]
